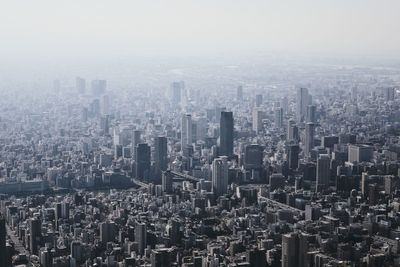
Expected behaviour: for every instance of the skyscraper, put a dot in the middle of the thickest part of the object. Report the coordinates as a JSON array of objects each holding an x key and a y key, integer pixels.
[
  {"x": 160, "y": 155},
  {"x": 105, "y": 105},
  {"x": 292, "y": 131},
  {"x": 323, "y": 172},
  {"x": 302, "y": 102},
  {"x": 107, "y": 231},
  {"x": 3, "y": 249},
  {"x": 360, "y": 153},
  {"x": 226, "y": 134},
  {"x": 167, "y": 180},
  {"x": 141, "y": 236},
  {"x": 136, "y": 139},
  {"x": 309, "y": 139},
  {"x": 35, "y": 235},
  {"x": 258, "y": 116},
  {"x": 285, "y": 105},
  {"x": 143, "y": 160},
  {"x": 186, "y": 131},
  {"x": 259, "y": 100},
  {"x": 253, "y": 157},
  {"x": 311, "y": 114},
  {"x": 294, "y": 249},
  {"x": 239, "y": 93},
  {"x": 279, "y": 118},
  {"x": 176, "y": 92},
  {"x": 161, "y": 257},
  {"x": 220, "y": 176},
  {"x": 293, "y": 156},
  {"x": 105, "y": 125}
]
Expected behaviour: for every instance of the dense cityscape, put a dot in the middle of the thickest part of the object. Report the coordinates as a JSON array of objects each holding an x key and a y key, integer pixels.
[{"x": 228, "y": 165}]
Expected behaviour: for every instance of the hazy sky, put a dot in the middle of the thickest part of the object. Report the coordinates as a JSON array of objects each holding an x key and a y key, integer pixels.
[{"x": 77, "y": 29}]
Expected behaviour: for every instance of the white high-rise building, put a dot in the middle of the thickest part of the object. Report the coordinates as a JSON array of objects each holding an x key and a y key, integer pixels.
[
  {"x": 303, "y": 99},
  {"x": 186, "y": 130},
  {"x": 309, "y": 139}
]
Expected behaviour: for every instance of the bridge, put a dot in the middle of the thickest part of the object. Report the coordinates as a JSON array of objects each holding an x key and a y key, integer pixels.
[
  {"x": 185, "y": 176},
  {"x": 182, "y": 176},
  {"x": 140, "y": 183}
]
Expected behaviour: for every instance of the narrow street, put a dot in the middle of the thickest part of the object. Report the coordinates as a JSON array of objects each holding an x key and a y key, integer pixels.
[{"x": 18, "y": 244}]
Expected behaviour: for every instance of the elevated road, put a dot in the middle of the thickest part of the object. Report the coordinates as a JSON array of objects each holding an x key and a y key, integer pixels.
[
  {"x": 17, "y": 243},
  {"x": 186, "y": 177},
  {"x": 183, "y": 176},
  {"x": 140, "y": 183},
  {"x": 281, "y": 205}
]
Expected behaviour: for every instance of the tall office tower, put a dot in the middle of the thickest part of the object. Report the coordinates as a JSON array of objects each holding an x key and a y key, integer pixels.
[
  {"x": 309, "y": 139},
  {"x": 35, "y": 235},
  {"x": 360, "y": 153},
  {"x": 389, "y": 93},
  {"x": 323, "y": 172},
  {"x": 160, "y": 257},
  {"x": 126, "y": 152},
  {"x": 226, "y": 134},
  {"x": 105, "y": 125},
  {"x": 293, "y": 156},
  {"x": 176, "y": 92},
  {"x": 160, "y": 155},
  {"x": 167, "y": 180},
  {"x": 294, "y": 250},
  {"x": 80, "y": 85},
  {"x": 186, "y": 131},
  {"x": 77, "y": 251},
  {"x": 259, "y": 100},
  {"x": 65, "y": 210},
  {"x": 256, "y": 257},
  {"x": 117, "y": 151},
  {"x": 302, "y": 102},
  {"x": 58, "y": 212},
  {"x": 46, "y": 257},
  {"x": 239, "y": 93},
  {"x": 143, "y": 161},
  {"x": 292, "y": 131},
  {"x": 3, "y": 249},
  {"x": 108, "y": 231},
  {"x": 99, "y": 87},
  {"x": 220, "y": 176},
  {"x": 279, "y": 118},
  {"x": 175, "y": 232},
  {"x": 141, "y": 236},
  {"x": 329, "y": 141},
  {"x": 258, "y": 116},
  {"x": 253, "y": 157},
  {"x": 136, "y": 139},
  {"x": 116, "y": 136},
  {"x": 311, "y": 114},
  {"x": 105, "y": 105},
  {"x": 285, "y": 105}
]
